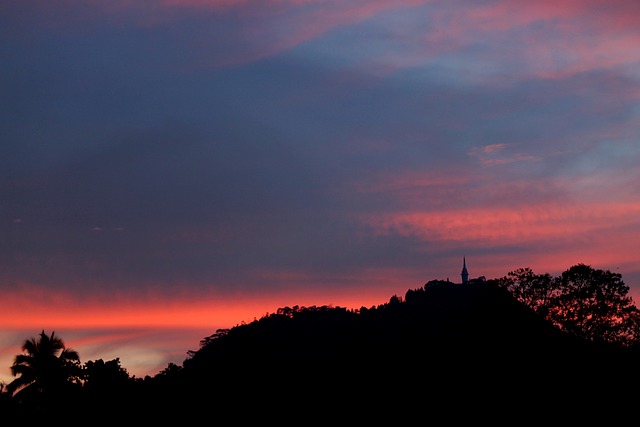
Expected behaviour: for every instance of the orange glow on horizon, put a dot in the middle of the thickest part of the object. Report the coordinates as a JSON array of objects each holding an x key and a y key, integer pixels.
[
  {"x": 33, "y": 307},
  {"x": 146, "y": 336}
]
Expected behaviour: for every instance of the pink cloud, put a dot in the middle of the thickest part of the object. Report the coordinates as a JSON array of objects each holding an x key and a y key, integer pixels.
[
  {"x": 561, "y": 38},
  {"x": 544, "y": 39},
  {"x": 443, "y": 192},
  {"x": 394, "y": 182},
  {"x": 517, "y": 224},
  {"x": 497, "y": 154}
]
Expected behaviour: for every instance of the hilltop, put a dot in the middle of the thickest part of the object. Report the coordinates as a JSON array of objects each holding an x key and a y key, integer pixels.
[{"x": 473, "y": 344}]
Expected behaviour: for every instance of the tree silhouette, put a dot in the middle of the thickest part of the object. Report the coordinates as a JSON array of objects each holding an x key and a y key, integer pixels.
[
  {"x": 534, "y": 290},
  {"x": 102, "y": 377},
  {"x": 108, "y": 385},
  {"x": 46, "y": 371},
  {"x": 593, "y": 304},
  {"x": 585, "y": 302}
]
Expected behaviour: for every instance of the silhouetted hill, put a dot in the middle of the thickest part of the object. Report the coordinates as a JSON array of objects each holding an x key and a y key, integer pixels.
[
  {"x": 442, "y": 349},
  {"x": 445, "y": 353}
]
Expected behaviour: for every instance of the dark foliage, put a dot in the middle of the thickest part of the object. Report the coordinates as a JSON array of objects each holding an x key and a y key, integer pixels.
[
  {"x": 445, "y": 345},
  {"x": 584, "y": 302},
  {"x": 47, "y": 373},
  {"x": 465, "y": 352}
]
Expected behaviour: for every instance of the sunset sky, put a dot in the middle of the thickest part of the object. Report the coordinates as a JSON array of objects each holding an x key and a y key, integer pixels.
[{"x": 171, "y": 167}]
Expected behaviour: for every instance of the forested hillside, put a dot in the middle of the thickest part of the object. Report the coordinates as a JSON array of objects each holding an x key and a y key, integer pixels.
[
  {"x": 440, "y": 346},
  {"x": 437, "y": 348}
]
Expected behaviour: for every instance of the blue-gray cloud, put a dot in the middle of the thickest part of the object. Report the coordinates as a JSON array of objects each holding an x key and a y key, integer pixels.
[{"x": 192, "y": 147}]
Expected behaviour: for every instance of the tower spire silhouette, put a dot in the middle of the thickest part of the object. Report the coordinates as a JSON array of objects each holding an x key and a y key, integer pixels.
[{"x": 465, "y": 273}]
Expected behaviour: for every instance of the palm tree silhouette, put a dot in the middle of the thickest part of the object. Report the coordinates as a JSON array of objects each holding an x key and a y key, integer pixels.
[{"x": 45, "y": 371}]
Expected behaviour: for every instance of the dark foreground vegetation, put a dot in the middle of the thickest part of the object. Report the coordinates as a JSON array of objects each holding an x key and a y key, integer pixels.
[{"x": 522, "y": 349}]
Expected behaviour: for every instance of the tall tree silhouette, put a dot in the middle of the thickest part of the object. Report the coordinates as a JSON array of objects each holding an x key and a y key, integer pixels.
[
  {"x": 594, "y": 305},
  {"x": 585, "y": 302},
  {"x": 45, "y": 371}
]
